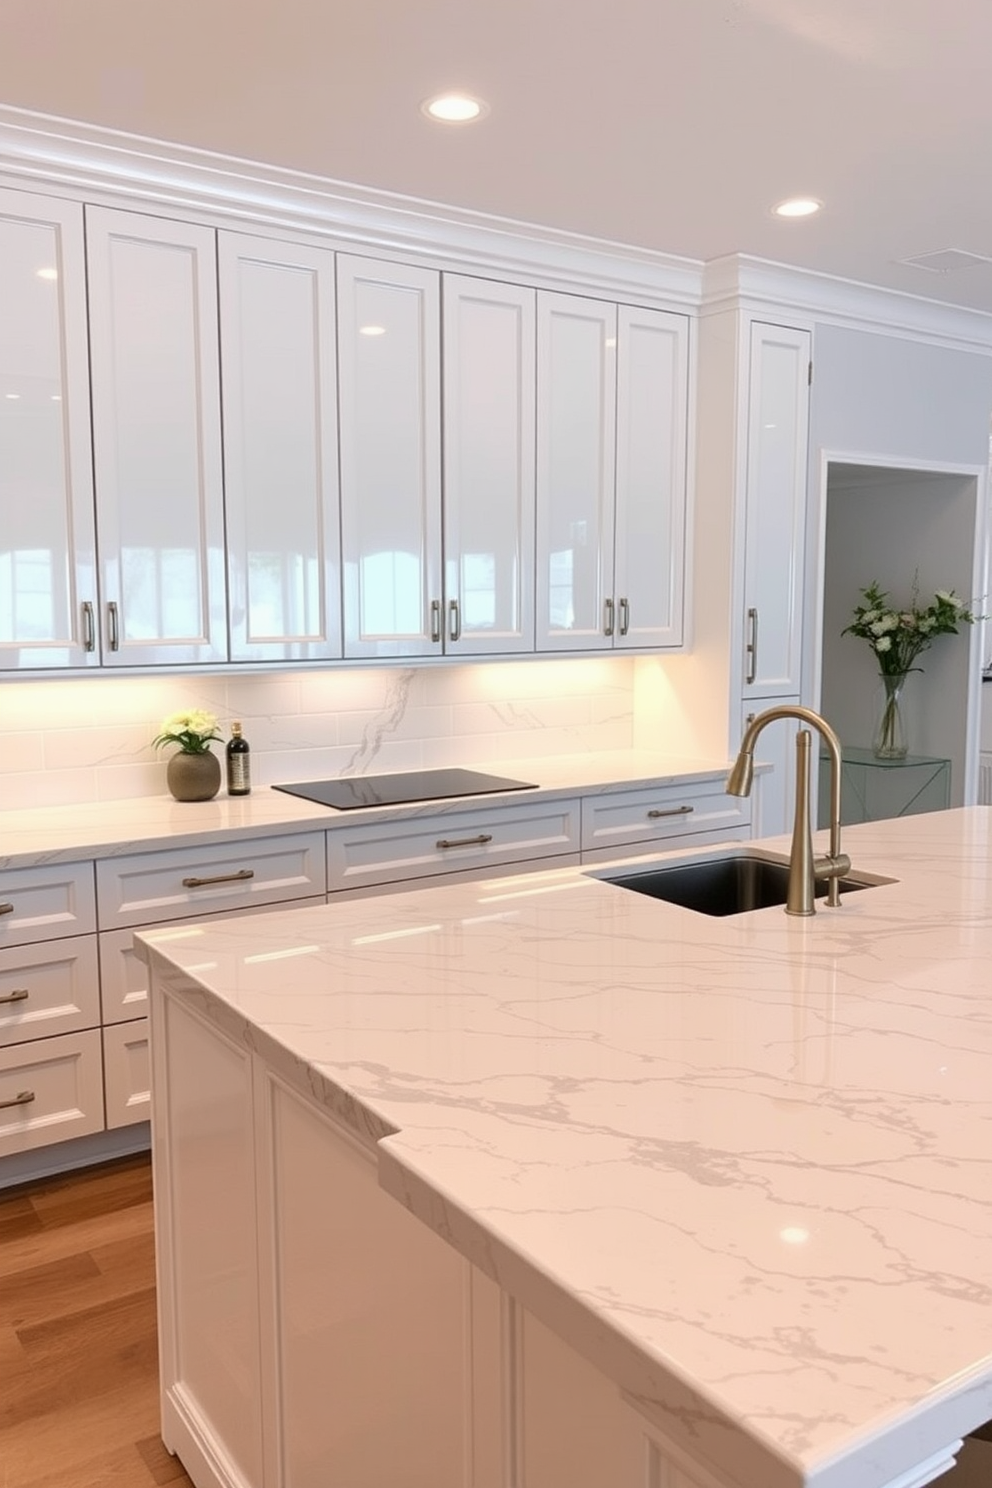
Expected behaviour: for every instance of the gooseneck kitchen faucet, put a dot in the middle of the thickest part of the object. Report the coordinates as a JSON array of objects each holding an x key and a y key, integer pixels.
[{"x": 804, "y": 869}]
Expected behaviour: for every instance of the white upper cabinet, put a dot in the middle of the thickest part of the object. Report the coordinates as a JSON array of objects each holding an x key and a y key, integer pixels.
[
  {"x": 489, "y": 421},
  {"x": 47, "y": 552},
  {"x": 576, "y": 432},
  {"x": 612, "y": 389},
  {"x": 156, "y": 436},
  {"x": 389, "y": 369},
  {"x": 775, "y": 510},
  {"x": 652, "y": 440},
  {"x": 280, "y": 449}
]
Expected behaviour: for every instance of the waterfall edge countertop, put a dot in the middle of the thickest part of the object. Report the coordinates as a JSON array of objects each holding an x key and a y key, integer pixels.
[{"x": 743, "y": 1164}]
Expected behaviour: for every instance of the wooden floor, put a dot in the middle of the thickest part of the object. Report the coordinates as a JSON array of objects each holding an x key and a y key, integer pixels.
[{"x": 78, "y": 1349}]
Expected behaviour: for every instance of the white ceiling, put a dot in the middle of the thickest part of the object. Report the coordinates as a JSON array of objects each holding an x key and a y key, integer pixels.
[{"x": 670, "y": 124}]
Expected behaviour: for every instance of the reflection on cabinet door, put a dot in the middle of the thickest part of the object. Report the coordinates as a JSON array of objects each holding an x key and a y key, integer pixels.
[
  {"x": 47, "y": 550},
  {"x": 156, "y": 436},
  {"x": 280, "y": 448},
  {"x": 489, "y": 418},
  {"x": 576, "y": 424},
  {"x": 652, "y": 437},
  {"x": 390, "y": 417},
  {"x": 775, "y": 526}
]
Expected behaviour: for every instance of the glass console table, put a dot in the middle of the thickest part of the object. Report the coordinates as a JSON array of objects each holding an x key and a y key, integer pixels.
[{"x": 873, "y": 789}]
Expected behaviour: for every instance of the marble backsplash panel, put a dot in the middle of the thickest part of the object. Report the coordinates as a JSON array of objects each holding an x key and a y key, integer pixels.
[{"x": 88, "y": 739}]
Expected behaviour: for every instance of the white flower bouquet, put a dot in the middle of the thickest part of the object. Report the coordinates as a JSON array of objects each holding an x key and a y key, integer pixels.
[{"x": 193, "y": 731}]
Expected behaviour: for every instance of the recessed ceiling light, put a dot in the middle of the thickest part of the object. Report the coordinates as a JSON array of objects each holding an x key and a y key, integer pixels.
[
  {"x": 798, "y": 206},
  {"x": 454, "y": 108}
]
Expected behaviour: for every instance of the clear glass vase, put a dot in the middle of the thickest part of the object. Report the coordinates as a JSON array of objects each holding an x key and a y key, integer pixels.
[{"x": 889, "y": 739}]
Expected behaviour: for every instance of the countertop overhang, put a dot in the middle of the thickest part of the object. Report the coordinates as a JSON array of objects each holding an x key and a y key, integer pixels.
[{"x": 744, "y": 1164}]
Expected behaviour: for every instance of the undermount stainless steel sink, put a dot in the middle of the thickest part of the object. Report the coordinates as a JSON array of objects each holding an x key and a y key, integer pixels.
[{"x": 728, "y": 885}]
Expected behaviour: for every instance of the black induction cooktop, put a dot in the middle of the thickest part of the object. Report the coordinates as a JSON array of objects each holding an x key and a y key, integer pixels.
[{"x": 348, "y": 794}]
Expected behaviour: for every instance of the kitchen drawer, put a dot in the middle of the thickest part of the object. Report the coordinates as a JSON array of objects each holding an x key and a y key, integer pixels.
[
  {"x": 48, "y": 989},
  {"x": 50, "y": 1089},
  {"x": 124, "y": 976},
  {"x": 656, "y": 816},
  {"x": 125, "y": 1073},
  {"x": 146, "y": 888},
  {"x": 462, "y": 840},
  {"x": 45, "y": 903}
]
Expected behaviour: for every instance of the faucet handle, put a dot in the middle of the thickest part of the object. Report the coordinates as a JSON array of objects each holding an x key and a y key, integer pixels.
[{"x": 827, "y": 867}]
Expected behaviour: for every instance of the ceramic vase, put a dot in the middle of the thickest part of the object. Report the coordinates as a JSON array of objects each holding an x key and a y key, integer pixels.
[{"x": 193, "y": 777}]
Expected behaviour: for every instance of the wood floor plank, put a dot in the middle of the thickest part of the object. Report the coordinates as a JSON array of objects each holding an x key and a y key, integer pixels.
[{"x": 79, "y": 1404}]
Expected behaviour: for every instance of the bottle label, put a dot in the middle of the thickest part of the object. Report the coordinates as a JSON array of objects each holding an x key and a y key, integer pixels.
[{"x": 239, "y": 774}]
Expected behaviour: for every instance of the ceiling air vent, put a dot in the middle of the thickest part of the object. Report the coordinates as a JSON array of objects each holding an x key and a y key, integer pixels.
[{"x": 946, "y": 261}]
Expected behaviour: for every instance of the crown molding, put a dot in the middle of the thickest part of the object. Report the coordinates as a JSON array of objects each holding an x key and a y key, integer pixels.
[
  {"x": 39, "y": 150},
  {"x": 762, "y": 287}
]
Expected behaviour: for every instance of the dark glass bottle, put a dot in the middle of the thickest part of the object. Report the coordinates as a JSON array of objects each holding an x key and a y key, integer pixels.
[{"x": 238, "y": 763}]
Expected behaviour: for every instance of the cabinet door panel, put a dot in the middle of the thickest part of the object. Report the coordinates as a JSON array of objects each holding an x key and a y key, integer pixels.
[
  {"x": 776, "y": 510},
  {"x": 652, "y": 413},
  {"x": 280, "y": 449},
  {"x": 489, "y": 418},
  {"x": 156, "y": 430},
  {"x": 576, "y": 440},
  {"x": 389, "y": 397},
  {"x": 47, "y": 551}
]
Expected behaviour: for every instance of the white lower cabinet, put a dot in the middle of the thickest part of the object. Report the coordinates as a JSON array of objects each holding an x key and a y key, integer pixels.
[
  {"x": 50, "y": 1089},
  {"x": 125, "y": 1073},
  {"x": 774, "y": 791},
  {"x": 655, "y": 820},
  {"x": 314, "y": 1332},
  {"x": 456, "y": 842}
]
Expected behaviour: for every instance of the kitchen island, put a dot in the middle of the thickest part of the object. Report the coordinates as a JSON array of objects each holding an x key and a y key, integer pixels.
[{"x": 539, "y": 1181}]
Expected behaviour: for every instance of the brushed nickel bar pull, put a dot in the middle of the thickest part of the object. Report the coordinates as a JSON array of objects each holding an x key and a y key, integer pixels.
[
  {"x": 671, "y": 811},
  {"x": 113, "y": 626},
  {"x": 454, "y": 621},
  {"x": 608, "y": 617},
  {"x": 19, "y": 994},
  {"x": 239, "y": 877},
  {"x": 751, "y": 649},
  {"x": 624, "y": 616},
  {"x": 479, "y": 841},
  {"x": 6, "y": 909},
  {"x": 435, "y": 619},
  {"x": 89, "y": 626},
  {"x": 22, "y": 1098}
]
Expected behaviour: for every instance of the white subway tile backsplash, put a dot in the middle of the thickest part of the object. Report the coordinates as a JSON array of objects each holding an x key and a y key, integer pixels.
[{"x": 89, "y": 738}]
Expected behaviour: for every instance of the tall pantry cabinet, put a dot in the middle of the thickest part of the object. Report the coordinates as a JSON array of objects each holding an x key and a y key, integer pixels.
[{"x": 774, "y": 527}]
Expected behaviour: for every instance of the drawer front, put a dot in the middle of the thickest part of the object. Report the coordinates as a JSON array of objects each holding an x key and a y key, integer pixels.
[
  {"x": 124, "y": 976},
  {"x": 50, "y": 1089},
  {"x": 45, "y": 903},
  {"x": 670, "y": 812},
  {"x": 48, "y": 989},
  {"x": 125, "y": 1073},
  {"x": 422, "y": 846},
  {"x": 179, "y": 883}
]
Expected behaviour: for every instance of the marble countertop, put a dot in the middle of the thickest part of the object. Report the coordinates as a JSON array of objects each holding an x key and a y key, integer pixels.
[
  {"x": 103, "y": 829},
  {"x": 743, "y": 1164}
]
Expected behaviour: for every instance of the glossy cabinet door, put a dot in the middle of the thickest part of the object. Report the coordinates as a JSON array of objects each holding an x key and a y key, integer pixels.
[
  {"x": 576, "y": 441},
  {"x": 775, "y": 507},
  {"x": 156, "y": 436},
  {"x": 47, "y": 549},
  {"x": 280, "y": 449},
  {"x": 389, "y": 369},
  {"x": 652, "y": 437},
  {"x": 489, "y": 478}
]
